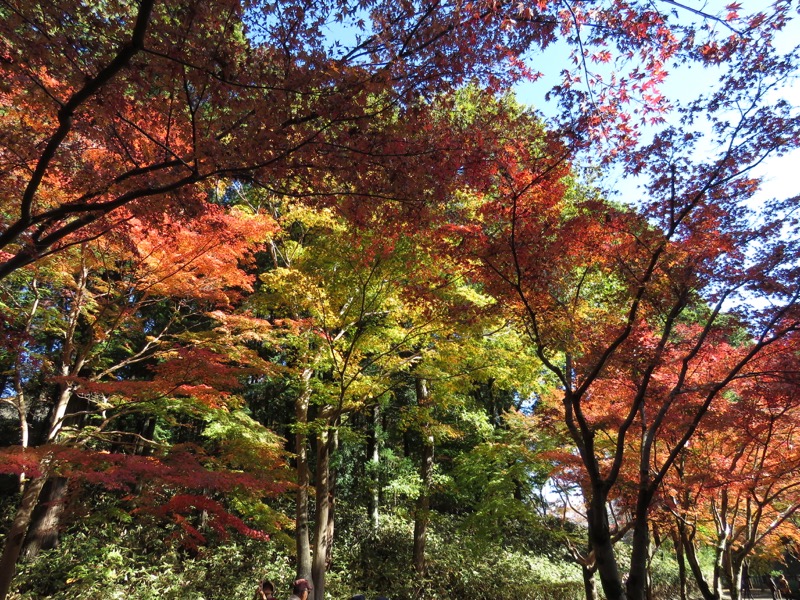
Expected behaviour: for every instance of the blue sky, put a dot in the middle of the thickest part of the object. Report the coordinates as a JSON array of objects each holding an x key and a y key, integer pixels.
[{"x": 682, "y": 85}]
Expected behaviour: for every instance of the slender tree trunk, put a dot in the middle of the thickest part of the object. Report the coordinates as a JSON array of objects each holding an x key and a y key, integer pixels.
[
  {"x": 422, "y": 510},
  {"x": 19, "y": 388},
  {"x": 648, "y": 583},
  {"x": 333, "y": 446},
  {"x": 719, "y": 566},
  {"x": 16, "y": 535},
  {"x": 637, "y": 586},
  {"x": 43, "y": 529},
  {"x": 321, "y": 540},
  {"x": 22, "y": 409},
  {"x": 302, "y": 538},
  {"x": 747, "y": 583},
  {"x": 72, "y": 359},
  {"x": 146, "y": 432},
  {"x": 373, "y": 454},
  {"x": 681, "y": 560},
  {"x": 645, "y": 545},
  {"x": 24, "y": 429},
  {"x": 589, "y": 586},
  {"x": 694, "y": 564}
]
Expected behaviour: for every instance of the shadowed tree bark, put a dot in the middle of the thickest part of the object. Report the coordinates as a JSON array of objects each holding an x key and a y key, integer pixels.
[{"x": 422, "y": 509}]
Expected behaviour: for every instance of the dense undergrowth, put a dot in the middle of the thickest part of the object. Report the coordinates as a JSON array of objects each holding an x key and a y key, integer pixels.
[{"x": 108, "y": 555}]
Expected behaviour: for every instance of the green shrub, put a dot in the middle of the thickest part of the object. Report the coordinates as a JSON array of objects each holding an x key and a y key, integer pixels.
[
  {"x": 458, "y": 567},
  {"x": 138, "y": 565}
]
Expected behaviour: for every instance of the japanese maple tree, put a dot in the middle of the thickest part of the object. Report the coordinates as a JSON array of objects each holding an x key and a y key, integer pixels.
[
  {"x": 738, "y": 479},
  {"x": 643, "y": 294},
  {"x": 109, "y": 328},
  {"x": 141, "y": 103}
]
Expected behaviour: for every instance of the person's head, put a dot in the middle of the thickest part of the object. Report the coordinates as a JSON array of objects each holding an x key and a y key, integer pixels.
[
  {"x": 268, "y": 588},
  {"x": 301, "y": 588},
  {"x": 359, "y": 597}
]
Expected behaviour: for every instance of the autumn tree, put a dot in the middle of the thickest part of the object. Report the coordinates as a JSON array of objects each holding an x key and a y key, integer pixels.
[
  {"x": 646, "y": 292},
  {"x": 354, "y": 317},
  {"x": 736, "y": 484},
  {"x": 141, "y": 104},
  {"x": 136, "y": 104},
  {"x": 114, "y": 309},
  {"x": 615, "y": 292}
]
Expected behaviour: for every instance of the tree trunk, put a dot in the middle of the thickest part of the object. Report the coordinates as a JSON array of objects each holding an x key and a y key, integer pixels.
[
  {"x": 302, "y": 538},
  {"x": 589, "y": 586},
  {"x": 422, "y": 510},
  {"x": 719, "y": 558},
  {"x": 16, "y": 535},
  {"x": 373, "y": 458},
  {"x": 747, "y": 584},
  {"x": 321, "y": 540},
  {"x": 636, "y": 586},
  {"x": 19, "y": 388},
  {"x": 46, "y": 518},
  {"x": 24, "y": 429},
  {"x": 681, "y": 560},
  {"x": 694, "y": 564},
  {"x": 601, "y": 543},
  {"x": 735, "y": 573},
  {"x": 146, "y": 433},
  {"x": 333, "y": 446},
  {"x": 30, "y": 497},
  {"x": 72, "y": 359},
  {"x": 43, "y": 530}
]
